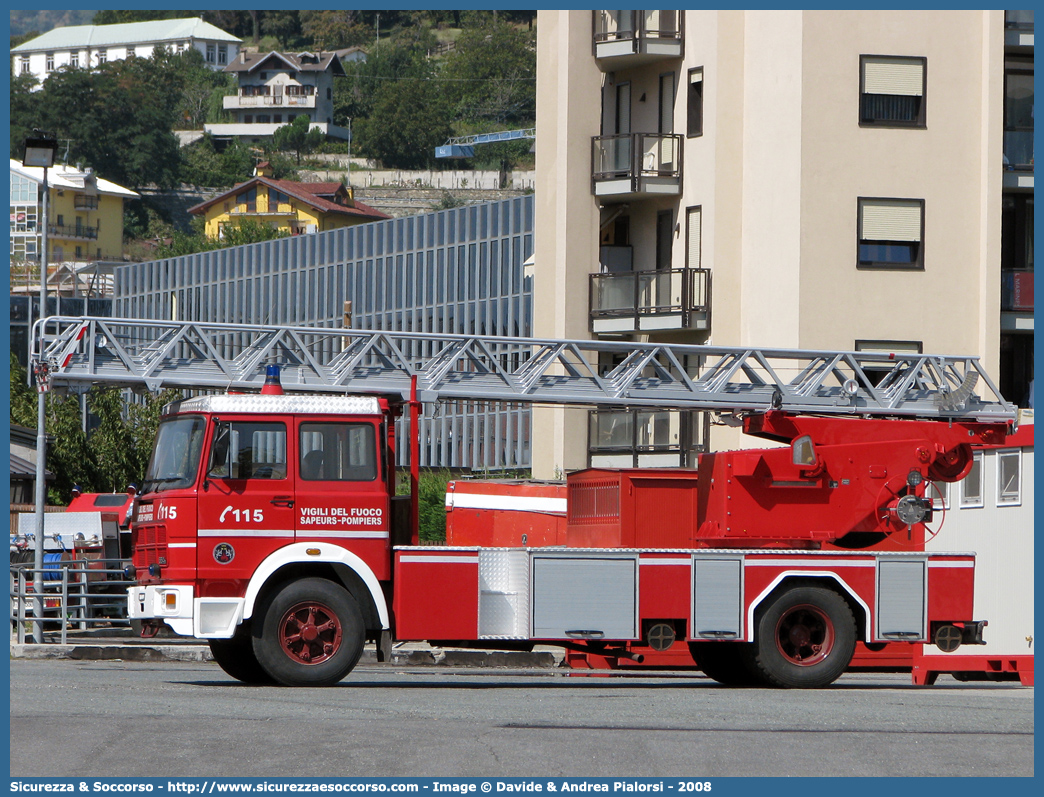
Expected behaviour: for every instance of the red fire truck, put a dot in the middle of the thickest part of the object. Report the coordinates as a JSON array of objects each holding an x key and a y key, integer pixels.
[{"x": 268, "y": 523}]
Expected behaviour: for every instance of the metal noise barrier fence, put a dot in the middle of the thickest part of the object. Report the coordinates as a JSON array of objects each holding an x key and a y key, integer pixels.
[{"x": 77, "y": 594}]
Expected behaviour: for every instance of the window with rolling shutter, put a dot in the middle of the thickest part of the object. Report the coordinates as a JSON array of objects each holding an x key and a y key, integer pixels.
[
  {"x": 890, "y": 233},
  {"x": 694, "y": 226},
  {"x": 891, "y": 91}
]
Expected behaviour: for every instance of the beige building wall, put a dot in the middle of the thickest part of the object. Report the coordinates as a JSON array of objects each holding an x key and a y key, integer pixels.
[
  {"x": 568, "y": 105},
  {"x": 777, "y": 173}
]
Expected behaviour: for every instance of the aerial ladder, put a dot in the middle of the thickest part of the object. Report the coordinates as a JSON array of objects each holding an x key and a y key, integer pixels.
[{"x": 76, "y": 353}]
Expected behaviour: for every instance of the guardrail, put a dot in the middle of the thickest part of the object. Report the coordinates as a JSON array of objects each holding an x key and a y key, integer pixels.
[{"x": 77, "y": 593}]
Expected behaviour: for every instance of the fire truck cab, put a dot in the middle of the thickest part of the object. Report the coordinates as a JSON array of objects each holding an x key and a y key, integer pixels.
[{"x": 247, "y": 494}]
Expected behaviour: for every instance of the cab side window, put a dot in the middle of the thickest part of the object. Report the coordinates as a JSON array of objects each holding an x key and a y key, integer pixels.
[
  {"x": 248, "y": 450},
  {"x": 338, "y": 452}
]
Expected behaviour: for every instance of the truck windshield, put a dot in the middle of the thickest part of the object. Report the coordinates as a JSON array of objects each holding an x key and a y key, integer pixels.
[{"x": 175, "y": 457}]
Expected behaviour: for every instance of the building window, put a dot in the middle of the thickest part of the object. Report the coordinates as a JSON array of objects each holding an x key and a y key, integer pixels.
[
  {"x": 222, "y": 53},
  {"x": 876, "y": 372},
  {"x": 891, "y": 233},
  {"x": 49, "y": 62},
  {"x": 248, "y": 118},
  {"x": 891, "y": 91},
  {"x": 1009, "y": 478},
  {"x": 695, "y": 121},
  {"x": 210, "y": 53},
  {"x": 103, "y": 56},
  {"x": 263, "y": 75},
  {"x": 277, "y": 118},
  {"x": 664, "y": 238},
  {"x": 74, "y": 60},
  {"x": 338, "y": 452},
  {"x": 1018, "y": 113},
  {"x": 693, "y": 236},
  {"x": 971, "y": 485},
  {"x": 24, "y": 65},
  {"x": 329, "y": 93}
]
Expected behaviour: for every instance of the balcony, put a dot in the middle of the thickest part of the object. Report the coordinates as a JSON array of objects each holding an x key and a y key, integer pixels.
[
  {"x": 251, "y": 100},
  {"x": 645, "y": 438},
  {"x": 650, "y": 301},
  {"x": 1017, "y": 291},
  {"x": 636, "y": 166},
  {"x": 624, "y": 39},
  {"x": 70, "y": 231},
  {"x": 84, "y": 202}
]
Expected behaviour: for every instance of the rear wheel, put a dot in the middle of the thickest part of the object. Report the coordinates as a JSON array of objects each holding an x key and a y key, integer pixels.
[
  {"x": 726, "y": 662},
  {"x": 309, "y": 633},
  {"x": 804, "y": 638},
  {"x": 236, "y": 657}
]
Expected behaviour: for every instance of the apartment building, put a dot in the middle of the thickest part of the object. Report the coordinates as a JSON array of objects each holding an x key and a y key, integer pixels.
[
  {"x": 88, "y": 46},
  {"x": 84, "y": 216},
  {"x": 843, "y": 180}
]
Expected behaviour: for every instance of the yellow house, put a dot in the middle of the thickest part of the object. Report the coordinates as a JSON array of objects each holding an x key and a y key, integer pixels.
[
  {"x": 294, "y": 207},
  {"x": 84, "y": 214}
]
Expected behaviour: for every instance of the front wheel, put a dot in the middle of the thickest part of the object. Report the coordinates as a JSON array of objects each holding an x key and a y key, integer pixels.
[
  {"x": 309, "y": 633},
  {"x": 805, "y": 638}
]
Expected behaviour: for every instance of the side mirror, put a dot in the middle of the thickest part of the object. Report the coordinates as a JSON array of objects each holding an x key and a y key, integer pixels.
[{"x": 803, "y": 452}]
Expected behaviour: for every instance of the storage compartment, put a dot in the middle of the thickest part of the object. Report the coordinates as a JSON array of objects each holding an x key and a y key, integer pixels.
[
  {"x": 717, "y": 591},
  {"x": 901, "y": 606},
  {"x": 585, "y": 597}
]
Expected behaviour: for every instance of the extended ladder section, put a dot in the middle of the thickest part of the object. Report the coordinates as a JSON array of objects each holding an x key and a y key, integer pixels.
[{"x": 79, "y": 352}]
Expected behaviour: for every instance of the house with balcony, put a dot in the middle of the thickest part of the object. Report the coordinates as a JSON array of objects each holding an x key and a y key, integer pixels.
[
  {"x": 84, "y": 225},
  {"x": 276, "y": 88},
  {"x": 797, "y": 179},
  {"x": 295, "y": 208},
  {"x": 88, "y": 46}
]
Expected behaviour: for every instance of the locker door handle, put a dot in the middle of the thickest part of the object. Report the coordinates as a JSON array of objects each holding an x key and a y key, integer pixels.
[
  {"x": 586, "y": 634},
  {"x": 283, "y": 500}
]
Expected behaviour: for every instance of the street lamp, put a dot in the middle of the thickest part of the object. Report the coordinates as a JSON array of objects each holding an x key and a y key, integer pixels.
[{"x": 39, "y": 152}]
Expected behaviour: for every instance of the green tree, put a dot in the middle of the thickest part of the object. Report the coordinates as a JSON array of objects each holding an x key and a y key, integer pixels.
[
  {"x": 333, "y": 30},
  {"x": 410, "y": 118},
  {"x": 492, "y": 72},
  {"x": 118, "y": 117},
  {"x": 202, "y": 164},
  {"x": 297, "y": 138},
  {"x": 245, "y": 231},
  {"x": 284, "y": 25},
  {"x": 113, "y": 455}
]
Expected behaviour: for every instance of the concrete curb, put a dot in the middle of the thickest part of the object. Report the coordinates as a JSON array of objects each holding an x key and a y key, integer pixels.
[{"x": 195, "y": 653}]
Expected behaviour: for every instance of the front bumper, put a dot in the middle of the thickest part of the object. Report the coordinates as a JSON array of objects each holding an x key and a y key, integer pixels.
[{"x": 177, "y": 606}]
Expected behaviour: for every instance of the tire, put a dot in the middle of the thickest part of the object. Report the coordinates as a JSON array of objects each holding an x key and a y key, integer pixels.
[
  {"x": 804, "y": 639},
  {"x": 236, "y": 657},
  {"x": 308, "y": 633},
  {"x": 726, "y": 663}
]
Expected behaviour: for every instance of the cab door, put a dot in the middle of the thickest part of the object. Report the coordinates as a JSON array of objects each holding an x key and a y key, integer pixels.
[
  {"x": 246, "y": 504},
  {"x": 341, "y": 496}
]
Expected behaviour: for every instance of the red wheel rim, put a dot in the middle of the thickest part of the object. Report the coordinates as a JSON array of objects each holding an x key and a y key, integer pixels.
[
  {"x": 805, "y": 635},
  {"x": 310, "y": 633}
]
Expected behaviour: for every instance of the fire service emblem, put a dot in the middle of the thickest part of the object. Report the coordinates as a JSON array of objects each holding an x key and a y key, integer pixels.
[{"x": 224, "y": 553}]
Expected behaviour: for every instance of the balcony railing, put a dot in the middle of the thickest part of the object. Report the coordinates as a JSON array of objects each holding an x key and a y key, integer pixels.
[
  {"x": 70, "y": 231},
  {"x": 642, "y": 301},
  {"x": 625, "y": 38},
  {"x": 1017, "y": 291},
  {"x": 636, "y": 165},
  {"x": 646, "y": 438},
  {"x": 1018, "y": 150}
]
